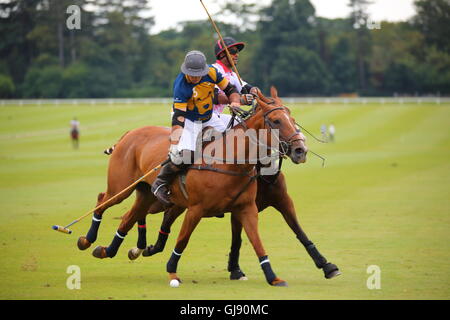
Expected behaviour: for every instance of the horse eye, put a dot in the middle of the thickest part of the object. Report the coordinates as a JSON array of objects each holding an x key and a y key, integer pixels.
[{"x": 276, "y": 121}]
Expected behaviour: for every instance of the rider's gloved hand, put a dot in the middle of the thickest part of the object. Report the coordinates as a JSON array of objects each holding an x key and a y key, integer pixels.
[
  {"x": 175, "y": 155},
  {"x": 247, "y": 99},
  {"x": 254, "y": 91}
]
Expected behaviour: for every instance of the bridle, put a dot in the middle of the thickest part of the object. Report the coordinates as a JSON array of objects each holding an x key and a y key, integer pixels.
[{"x": 285, "y": 144}]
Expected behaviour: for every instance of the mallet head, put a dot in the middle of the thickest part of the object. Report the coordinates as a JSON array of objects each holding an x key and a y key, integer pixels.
[{"x": 61, "y": 229}]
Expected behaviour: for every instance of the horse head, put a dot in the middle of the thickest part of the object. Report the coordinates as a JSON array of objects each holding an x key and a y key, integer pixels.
[{"x": 277, "y": 116}]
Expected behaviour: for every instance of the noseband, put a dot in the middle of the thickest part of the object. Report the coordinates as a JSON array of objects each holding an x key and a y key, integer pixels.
[{"x": 285, "y": 144}]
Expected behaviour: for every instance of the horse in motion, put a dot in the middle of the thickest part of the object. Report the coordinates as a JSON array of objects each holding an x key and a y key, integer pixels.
[
  {"x": 271, "y": 192},
  {"x": 142, "y": 150}
]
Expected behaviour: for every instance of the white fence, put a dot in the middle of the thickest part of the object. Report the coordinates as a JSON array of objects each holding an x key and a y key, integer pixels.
[{"x": 303, "y": 100}]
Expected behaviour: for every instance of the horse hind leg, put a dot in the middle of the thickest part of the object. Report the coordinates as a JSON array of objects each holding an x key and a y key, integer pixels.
[
  {"x": 170, "y": 215},
  {"x": 85, "y": 242},
  {"x": 141, "y": 245},
  {"x": 137, "y": 212},
  {"x": 286, "y": 208},
  {"x": 233, "y": 258},
  {"x": 105, "y": 200},
  {"x": 135, "y": 252}
]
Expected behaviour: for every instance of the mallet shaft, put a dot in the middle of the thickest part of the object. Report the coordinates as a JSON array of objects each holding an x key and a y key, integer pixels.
[
  {"x": 65, "y": 230},
  {"x": 223, "y": 43}
]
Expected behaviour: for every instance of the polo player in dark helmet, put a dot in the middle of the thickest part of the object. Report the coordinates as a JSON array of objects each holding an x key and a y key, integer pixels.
[
  {"x": 193, "y": 92},
  {"x": 224, "y": 66}
]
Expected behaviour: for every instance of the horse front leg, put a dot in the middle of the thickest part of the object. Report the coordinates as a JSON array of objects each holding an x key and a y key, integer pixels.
[
  {"x": 233, "y": 258},
  {"x": 191, "y": 220},
  {"x": 249, "y": 219},
  {"x": 284, "y": 204}
]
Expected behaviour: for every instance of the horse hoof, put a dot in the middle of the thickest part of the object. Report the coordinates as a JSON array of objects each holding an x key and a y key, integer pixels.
[
  {"x": 134, "y": 253},
  {"x": 83, "y": 243},
  {"x": 149, "y": 251},
  {"x": 279, "y": 283},
  {"x": 100, "y": 252},
  {"x": 174, "y": 281},
  {"x": 237, "y": 275},
  {"x": 331, "y": 270},
  {"x": 146, "y": 252}
]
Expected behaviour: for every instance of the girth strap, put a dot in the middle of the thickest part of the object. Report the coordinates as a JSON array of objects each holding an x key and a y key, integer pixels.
[
  {"x": 182, "y": 183},
  {"x": 233, "y": 173},
  {"x": 252, "y": 178},
  {"x": 211, "y": 168}
]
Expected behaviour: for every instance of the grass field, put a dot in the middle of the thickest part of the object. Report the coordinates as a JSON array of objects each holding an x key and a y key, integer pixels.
[{"x": 382, "y": 199}]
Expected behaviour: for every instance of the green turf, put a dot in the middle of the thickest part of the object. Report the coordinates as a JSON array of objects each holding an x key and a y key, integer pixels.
[{"x": 381, "y": 199}]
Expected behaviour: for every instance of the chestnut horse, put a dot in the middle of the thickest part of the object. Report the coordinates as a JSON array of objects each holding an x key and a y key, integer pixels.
[
  {"x": 140, "y": 148},
  {"x": 271, "y": 192}
]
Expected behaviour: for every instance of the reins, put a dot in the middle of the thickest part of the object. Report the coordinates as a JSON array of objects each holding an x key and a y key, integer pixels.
[{"x": 284, "y": 147}]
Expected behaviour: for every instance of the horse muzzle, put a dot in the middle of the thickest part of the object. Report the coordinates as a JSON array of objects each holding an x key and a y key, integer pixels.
[{"x": 298, "y": 154}]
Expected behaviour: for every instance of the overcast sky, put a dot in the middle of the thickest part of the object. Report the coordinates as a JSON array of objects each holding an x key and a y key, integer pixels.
[{"x": 168, "y": 12}]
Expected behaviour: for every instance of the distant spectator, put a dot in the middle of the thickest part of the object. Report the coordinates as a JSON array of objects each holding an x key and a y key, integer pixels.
[
  {"x": 331, "y": 132},
  {"x": 75, "y": 132},
  {"x": 323, "y": 131}
]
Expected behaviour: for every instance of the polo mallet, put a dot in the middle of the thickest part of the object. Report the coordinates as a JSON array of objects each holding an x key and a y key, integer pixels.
[
  {"x": 223, "y": 43},
  {"x": 68, "y": 231}
]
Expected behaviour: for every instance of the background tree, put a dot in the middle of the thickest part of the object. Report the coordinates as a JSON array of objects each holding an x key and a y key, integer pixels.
[
  {"x": 286, "y": 23},
  {"x": 433, "y": 21},
  {"x": 114, "y": 54},
  {"x": 359, "y": 19}
]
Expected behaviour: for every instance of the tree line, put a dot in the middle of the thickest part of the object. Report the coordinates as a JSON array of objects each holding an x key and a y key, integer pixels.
[{"x": 113, "y": 53}]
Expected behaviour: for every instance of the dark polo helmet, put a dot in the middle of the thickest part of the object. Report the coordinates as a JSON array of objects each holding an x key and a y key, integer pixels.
[
  {"x": 195, "y": 64},
  {"x": 230, "y": 42}
]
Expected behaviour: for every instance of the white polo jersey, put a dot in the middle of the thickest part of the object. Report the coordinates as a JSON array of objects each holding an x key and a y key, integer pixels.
[
  {"x": 232, "y": 78},
  {"x": 74, "y": 124}
]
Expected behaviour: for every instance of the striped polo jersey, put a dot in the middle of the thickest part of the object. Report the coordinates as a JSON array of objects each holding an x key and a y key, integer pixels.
[
  {"x": 197, "y": 98},
  {"x": 232, "y": 78}
]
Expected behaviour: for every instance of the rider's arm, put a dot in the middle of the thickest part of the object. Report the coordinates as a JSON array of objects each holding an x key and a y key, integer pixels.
[
  {"x": 178, "y": 118},
  {"x": 231, "y": 93}
]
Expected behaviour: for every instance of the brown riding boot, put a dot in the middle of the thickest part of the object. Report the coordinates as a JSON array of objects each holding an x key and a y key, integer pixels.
[{"x": 160, "y": 187}]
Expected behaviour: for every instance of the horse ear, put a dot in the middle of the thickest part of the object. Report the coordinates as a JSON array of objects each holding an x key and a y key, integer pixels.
[
  {"x": 262, "y": 97},
  {"x": 273, "y": 92},
  {"x": 261, "y": 102}
]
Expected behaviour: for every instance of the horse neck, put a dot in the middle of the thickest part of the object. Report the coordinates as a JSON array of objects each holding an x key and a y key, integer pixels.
[{"x": 256, "y": 122}]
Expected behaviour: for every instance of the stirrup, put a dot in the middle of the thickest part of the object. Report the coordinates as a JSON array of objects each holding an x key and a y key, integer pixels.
[{"x": 163, "y": 196}]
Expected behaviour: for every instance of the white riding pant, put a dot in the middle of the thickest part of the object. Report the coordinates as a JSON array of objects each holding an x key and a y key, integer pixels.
[
  {"x": 192, "y": 129},
  {"x": 226, "y": 118}
]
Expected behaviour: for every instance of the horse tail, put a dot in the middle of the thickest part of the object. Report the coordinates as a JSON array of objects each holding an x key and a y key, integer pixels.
[{"x": 110, "y": 150}]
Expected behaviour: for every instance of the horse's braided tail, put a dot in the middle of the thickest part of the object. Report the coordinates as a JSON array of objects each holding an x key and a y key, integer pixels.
[{"x": 110, "y": 150}]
